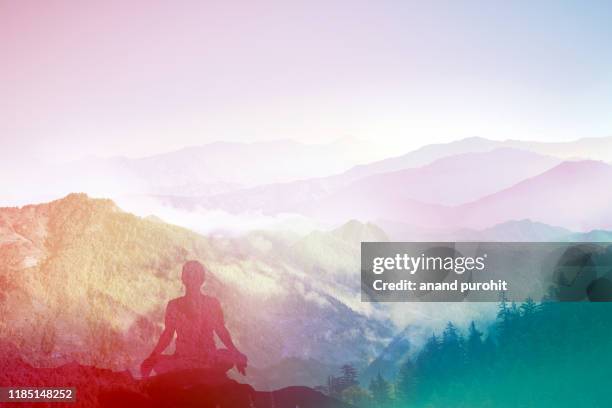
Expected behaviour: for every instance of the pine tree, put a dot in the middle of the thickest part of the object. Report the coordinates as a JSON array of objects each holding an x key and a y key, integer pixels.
[
  {"x": 474, "y": 345},
  {"x": 505, "y": 320},
  {"x": 333, "y": 385},
  {"x": 381, "y": 390},
  {"x": 529, "y": 307},
  {"x": 451, "y": 350},
  {"x": 428, "y": 358},
  {"x": 429, "y": 366},
  {"x": 406, "y": 386},
  {"x": 349, "y": 376},
  {"x": 503, "y": 306}
]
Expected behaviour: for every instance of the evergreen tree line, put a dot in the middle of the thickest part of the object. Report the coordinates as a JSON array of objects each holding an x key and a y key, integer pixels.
[{"x": 547, "y": 354}]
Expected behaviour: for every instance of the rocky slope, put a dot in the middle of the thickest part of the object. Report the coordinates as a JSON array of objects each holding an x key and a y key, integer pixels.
[{"x": 95, "y": 387}]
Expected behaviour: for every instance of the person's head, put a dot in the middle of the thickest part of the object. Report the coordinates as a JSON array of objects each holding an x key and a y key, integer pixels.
[{"x": 193, "y": 275}]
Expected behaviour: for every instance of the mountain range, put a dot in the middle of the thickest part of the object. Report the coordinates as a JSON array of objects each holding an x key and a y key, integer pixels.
[
  {"x": 447, "y": 181},
  {"x": 82, "y": 280},
  {"x": 221, "y": 167},
  {"x": 585, "y": 148},
  {"x": 196, "y": 170},
  {"x": 572, "y": 195},
  {"x": 471, "y": 190}
]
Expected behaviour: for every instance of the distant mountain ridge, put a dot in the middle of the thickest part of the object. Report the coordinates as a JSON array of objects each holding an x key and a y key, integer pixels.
[
  {"x": 201, "y": 175},
  {"x": 471, "y": 190},
  {"x": 199, "y": 170},
  {"x": 523, "y": 230},
  {"x": 585, "y": 148},
  {"x": 572, "y": 195},
  {"x": 247, "y": 164},
  {"x": 450, "y": 180},
  {"x": 457, "y": 179}
]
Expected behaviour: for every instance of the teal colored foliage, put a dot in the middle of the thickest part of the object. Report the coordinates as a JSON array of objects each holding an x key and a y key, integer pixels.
[{"x": 534, "y": 355}]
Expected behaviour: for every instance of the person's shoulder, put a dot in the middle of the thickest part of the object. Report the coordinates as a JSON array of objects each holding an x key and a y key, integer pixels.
[
  {"x": 172, "y": 304},
  {"x": 212, "y": 301},
  {"x": 213, "y": 308}
]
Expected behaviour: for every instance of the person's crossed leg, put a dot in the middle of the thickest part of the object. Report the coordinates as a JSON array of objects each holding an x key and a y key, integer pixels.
[{"x": 195, "y": 318}]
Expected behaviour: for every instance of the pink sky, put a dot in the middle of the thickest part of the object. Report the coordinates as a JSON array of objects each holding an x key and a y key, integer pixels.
[{"x": 141, "y": 77}]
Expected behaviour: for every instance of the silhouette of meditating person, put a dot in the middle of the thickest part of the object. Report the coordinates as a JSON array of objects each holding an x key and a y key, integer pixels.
[{"x": 194, "y": 318}]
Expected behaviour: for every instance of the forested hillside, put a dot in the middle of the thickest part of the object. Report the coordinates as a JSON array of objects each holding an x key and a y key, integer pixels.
[
  {"x": 82, "y": 280},
  {"x": 534, "y": 355}
]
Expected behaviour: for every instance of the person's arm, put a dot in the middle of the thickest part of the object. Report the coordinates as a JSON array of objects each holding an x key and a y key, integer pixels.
[
  {"x": 226, "y": 339},
  {"x": 164, "y": 341},
  {"x": 168, "y": 334},
  {"x": 221, "y": 330}
]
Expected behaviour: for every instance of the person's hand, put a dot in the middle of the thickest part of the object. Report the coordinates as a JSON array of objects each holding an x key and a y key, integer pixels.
[{"x": 147, "y": 366}]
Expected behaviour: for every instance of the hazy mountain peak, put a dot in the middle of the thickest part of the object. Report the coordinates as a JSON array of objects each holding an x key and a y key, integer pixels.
[
  {"x": 582, "y": 165},
  {"x": 524, "y": 230},
  {"x": 82, "y": 200},
  {"x": 355, "y": 230}
]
